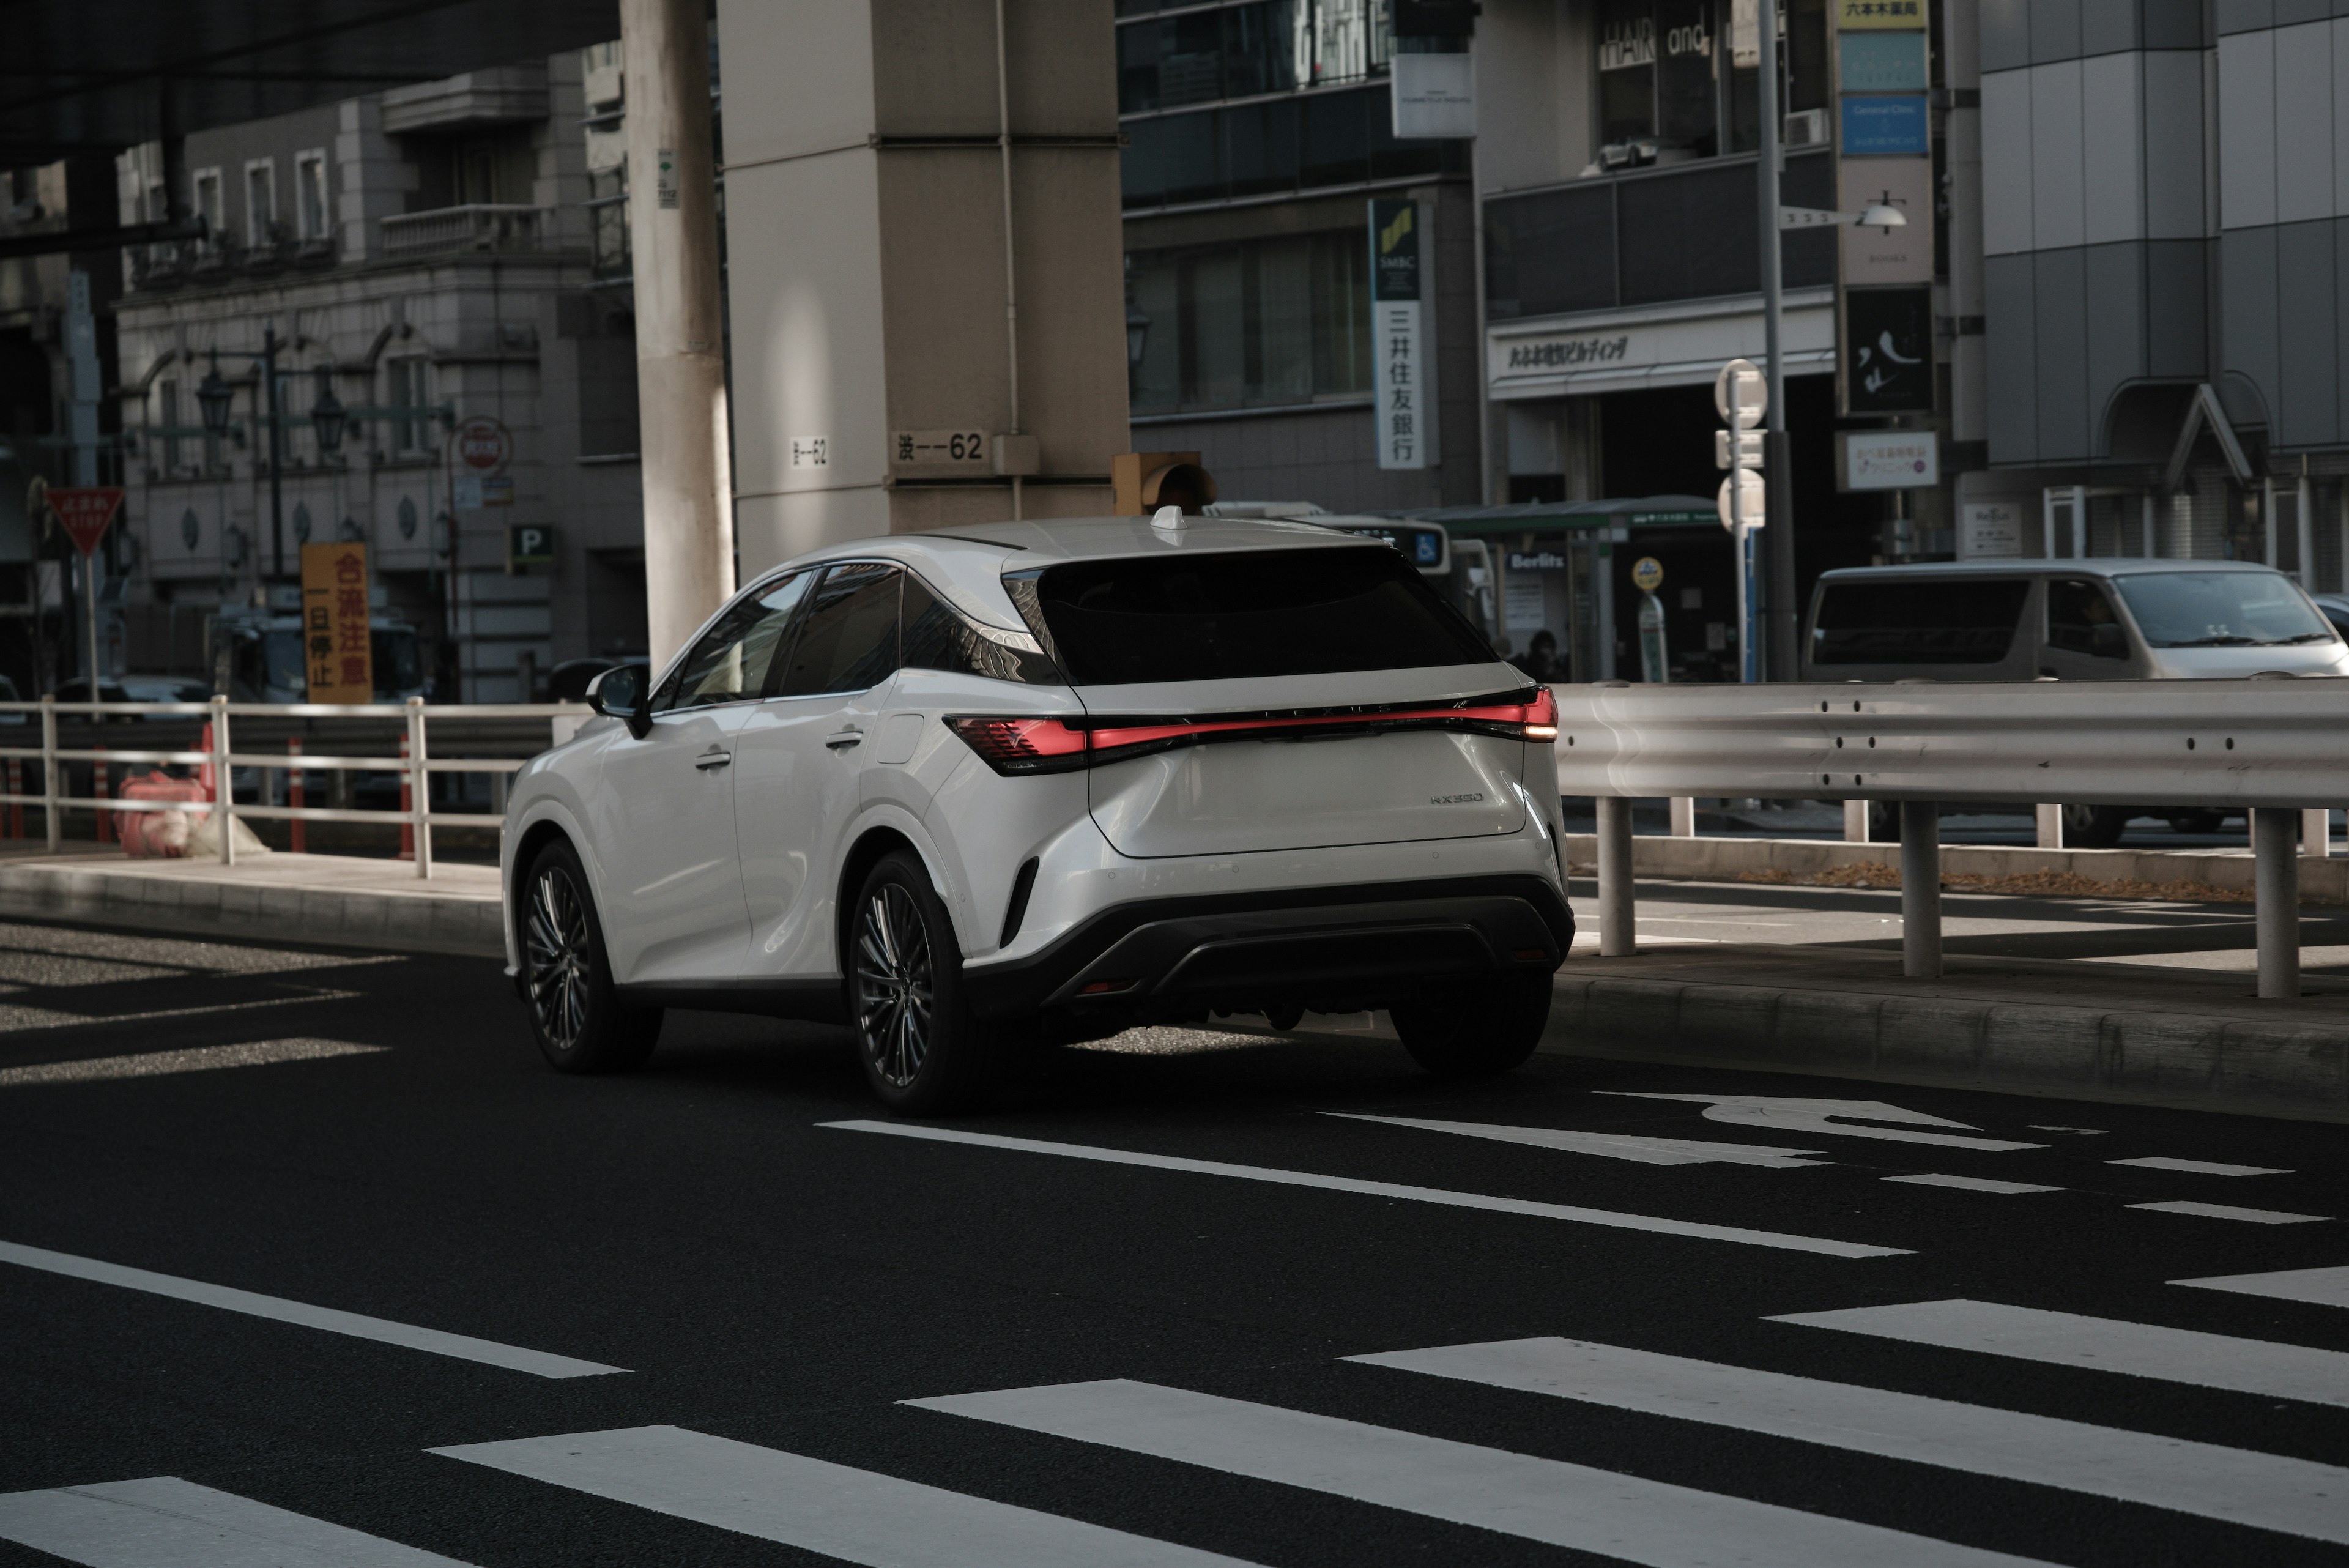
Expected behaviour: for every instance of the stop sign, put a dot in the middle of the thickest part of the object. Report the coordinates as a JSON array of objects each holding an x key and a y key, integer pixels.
[{"x": 484, "y": 446}]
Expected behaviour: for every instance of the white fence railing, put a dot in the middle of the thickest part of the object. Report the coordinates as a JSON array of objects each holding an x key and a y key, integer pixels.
[
  {"x": 2270, "y": 747},
  {"x": 415, "y": 765}
]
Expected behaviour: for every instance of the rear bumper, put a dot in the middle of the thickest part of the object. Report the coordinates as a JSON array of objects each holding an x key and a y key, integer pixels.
[{"x": 1330, "y": 950}]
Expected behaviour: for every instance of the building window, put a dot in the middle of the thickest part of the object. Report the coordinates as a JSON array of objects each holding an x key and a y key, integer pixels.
[
  {"x": 211, "y": 205},
  {"x": 1267, "y": 322},
  {"x": 167, "y": 402},
  {"x": 260, "y": 201},
  {"x": 1242, "y": 50},
  {"x": 607, "y": 222},
  {"x": 1273, "y": 147},
  {"x": 408, "y": 392},
  {"x": 310, "y": 186},
  {"x": 1677, "y": 78}
]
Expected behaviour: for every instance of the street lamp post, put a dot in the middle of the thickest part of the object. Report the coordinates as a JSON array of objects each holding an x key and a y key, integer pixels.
[{"x": 214, "y": 398}]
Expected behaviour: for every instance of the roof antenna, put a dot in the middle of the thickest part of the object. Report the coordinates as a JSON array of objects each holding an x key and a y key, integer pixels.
[{"x": 1168, "y": 519}]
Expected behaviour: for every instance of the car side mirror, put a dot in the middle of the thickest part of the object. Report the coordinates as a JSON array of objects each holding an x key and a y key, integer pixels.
[{"x": 618, "y": 693}]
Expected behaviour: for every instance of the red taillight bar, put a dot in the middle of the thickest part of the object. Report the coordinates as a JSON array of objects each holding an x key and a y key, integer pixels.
[{"x": 1030, "y": 745}]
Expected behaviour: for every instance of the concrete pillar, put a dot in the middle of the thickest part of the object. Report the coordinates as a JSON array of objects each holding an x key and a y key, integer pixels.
[
  {"x": 1855, "y": 822},
  {"x": 1618, "y": 936},
  {"x": 1683, "y": 816},
  {"x": 2316, "y": 832},
  {"x": 680, "y": 356},
  {"x": 891, "y": 290},
  {"x": 2048, "y": 822},
  {"x": 2276, "y": 910},
  {"x": 1920, "y": 889}
]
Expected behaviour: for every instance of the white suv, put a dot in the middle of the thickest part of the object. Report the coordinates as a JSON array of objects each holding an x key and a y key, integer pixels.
[{"x": 1042, "y": 781}]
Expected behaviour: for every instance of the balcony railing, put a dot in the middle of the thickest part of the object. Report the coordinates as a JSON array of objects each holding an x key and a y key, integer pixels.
[{"x": 480, "y": 226}]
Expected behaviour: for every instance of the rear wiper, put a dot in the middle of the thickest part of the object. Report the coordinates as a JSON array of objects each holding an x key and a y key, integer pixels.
[{"x": 2215, "y": 642}]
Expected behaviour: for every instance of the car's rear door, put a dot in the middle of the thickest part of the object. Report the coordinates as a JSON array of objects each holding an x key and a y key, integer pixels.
[{"x": 1288, "y": 699}]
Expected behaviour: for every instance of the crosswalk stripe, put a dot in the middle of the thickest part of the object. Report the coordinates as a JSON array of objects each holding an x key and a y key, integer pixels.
[
  {"x": 2199, "y": 1166},
  {"x": 2230, "y": 1211},
  {"x": 854, "y": 1515},
  {"x": 1972, "y": 1183},
  {"x": 2136, "y": 1349},
  {"x": 2266, "y": 1491},
  {"x": 1601, "y": 1512},
  {"x": 1606, "y": 1217},
  {"x": 1609, "y": 1145},
  {"x": 167, "y": 1523},
  {"x": 462, "y": 1346},
  {"x": 2323, "y": 1287}
]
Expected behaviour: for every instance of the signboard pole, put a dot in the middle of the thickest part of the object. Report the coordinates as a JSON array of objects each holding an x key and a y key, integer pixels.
[{"x": 1779, "y": 500}]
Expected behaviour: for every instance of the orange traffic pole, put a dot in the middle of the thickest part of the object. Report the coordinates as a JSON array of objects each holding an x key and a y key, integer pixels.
[
  {"x": 407, "y": 805},
  {"x": 293, "y": 795}
]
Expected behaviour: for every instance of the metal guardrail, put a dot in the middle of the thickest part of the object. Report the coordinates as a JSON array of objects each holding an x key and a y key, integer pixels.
[
  {"x": 2269, "y": 747},
  {"x": 416, "y": 765}
]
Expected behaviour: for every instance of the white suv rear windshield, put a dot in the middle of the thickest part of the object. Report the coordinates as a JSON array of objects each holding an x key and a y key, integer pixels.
[{"x": 1242, "y": 616}]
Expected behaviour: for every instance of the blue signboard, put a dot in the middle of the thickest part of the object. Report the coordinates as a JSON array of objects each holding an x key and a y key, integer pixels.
[
  {"x": 1882, "y": 62},
  {"x": 1885, "y": 125}
]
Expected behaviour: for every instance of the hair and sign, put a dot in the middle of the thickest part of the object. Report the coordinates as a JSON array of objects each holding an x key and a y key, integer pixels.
[{"x": 1402, "y": 353}]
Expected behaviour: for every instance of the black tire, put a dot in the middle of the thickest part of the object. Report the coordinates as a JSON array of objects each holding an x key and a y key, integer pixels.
[
  {"x": 580, "y": 1022},
  {"x": 2197, "y": 821},
  {"x": 1475, "y": 1029},
  {"x": 2095, "y": 827},
  {"x": 924, "y": 1054}
]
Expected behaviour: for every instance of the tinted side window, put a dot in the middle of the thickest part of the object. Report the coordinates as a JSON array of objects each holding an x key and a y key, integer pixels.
[
  {"x": 2081, "y": 619},
  {"x": 732, "y": 660},
  {"x": 938, "y": 638},
  {"x": 848, "y": 639},
  {"x": 1252, "y": 616},
  {"x": 1947, "y": 622}
]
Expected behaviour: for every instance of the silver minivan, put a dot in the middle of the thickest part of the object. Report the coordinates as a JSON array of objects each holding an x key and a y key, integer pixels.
[{"x": 2114, "y": 619}]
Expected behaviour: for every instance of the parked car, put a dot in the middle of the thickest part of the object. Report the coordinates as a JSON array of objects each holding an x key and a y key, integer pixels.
[
  {"x": 134, "y": 689},
  {"x": 1047, "y": 780},
  {"x": 2119, "y": 619}
]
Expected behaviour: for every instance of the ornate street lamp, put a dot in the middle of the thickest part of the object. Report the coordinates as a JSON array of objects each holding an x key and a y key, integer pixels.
[
  {"x": 214, "y": 397},
  {"x": 327, "y": 416}
]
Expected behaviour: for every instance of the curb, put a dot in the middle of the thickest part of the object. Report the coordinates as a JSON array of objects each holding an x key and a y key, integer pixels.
[
  {"x": 2207, "y": 1061},
  {"x": 382, "y": 922}
]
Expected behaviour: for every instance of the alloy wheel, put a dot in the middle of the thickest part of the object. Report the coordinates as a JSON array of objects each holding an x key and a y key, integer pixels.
[
  {"x": 894, "y": 992},
  {"x": 554, "y": 943}
]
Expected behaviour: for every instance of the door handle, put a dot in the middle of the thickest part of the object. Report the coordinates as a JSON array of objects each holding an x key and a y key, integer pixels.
[
  {"x": 713, "y": 760},
  {"x": 845, "y": 739}
]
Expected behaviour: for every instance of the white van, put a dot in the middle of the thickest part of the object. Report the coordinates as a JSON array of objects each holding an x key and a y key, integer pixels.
[{"x": 2118, "y": 619}]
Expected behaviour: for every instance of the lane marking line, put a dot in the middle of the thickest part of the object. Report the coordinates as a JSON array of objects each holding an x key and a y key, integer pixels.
[
  {"x": 1610, "y": 1146},
  {"x": 1972, "y": 1183},
  {"x": 2266, "y": 1491},
  {"x": 463, "y": 1347},
  {"x": 2084, "y": 1132},
  {"x": 2229, "y": 1212},
  {"x": 2199, "y": 1166},
  {"x": 195, "y": 1059},
  {"x": 2320, "y": 1287},
  {"x": 1602, "y": 1217},
  {"x": 1803, "y": 1118},
  {"x": 167, "y": 1523},
  {"x": 1606, "y": 1512},
  {"x": 857, "y": 1516},
  {"x": 18, "y": 1020},
  {"x": 2103, "y": 1344}
]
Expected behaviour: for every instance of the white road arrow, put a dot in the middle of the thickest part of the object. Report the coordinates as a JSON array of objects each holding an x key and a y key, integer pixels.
[
  {"x": 1613, "y": 1146},
  {"x": 1810, "y": 1117}
]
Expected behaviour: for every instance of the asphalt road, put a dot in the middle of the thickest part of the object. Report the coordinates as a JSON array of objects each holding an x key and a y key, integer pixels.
[{"x": 686, "y": 1317}]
